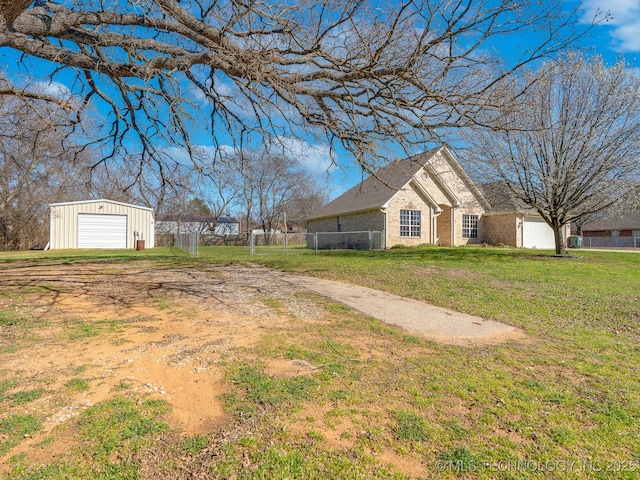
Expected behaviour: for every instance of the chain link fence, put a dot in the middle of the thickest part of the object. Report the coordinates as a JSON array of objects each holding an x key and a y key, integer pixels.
[
  {"x": 281, "y": 243},
  {"x": 610, "y": 242},
  {"x": 277, "y": 243},
  {"x": 189, "y": 242},
  {"x": 305, "y": 243},
  {"x": 363, "y": 240}
]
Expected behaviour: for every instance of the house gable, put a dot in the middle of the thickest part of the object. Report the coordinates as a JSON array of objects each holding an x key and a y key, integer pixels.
[
  {"x": 444, "y": 180},
  {"x": 448, "y": 176}
]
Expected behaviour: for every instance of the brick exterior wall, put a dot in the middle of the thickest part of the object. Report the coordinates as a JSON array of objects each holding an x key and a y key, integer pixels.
[
  {"x": 608, "y": 233},
  {"x": 408, "y": 199},
  {"x": 355, "y": 222},
  {"x": 502, "y": 229},
  {"x": 458, "y": 214},
  {"x": 364, "y": 221}
]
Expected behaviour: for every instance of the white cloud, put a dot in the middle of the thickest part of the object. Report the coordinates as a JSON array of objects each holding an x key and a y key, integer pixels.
[
  {"x": 317, "y": 159},
  {"x": 54, "y": 89},
  {"x": 178, "y": 154},
  {"x": 623, "y": 19}
]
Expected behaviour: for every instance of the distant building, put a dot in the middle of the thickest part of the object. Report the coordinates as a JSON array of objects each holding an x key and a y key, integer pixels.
[{"x": 625, "y": 225}]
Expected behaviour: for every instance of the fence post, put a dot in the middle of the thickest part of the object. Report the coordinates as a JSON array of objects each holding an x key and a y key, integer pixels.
[
  {"x": 252, "y": 244},
  {"x": 370, "y": 240},
  {"x": 315, "y": 240}
]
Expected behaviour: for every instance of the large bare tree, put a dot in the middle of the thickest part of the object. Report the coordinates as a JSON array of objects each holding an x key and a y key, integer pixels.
[
  {"x": 575, "y": 149},
  {"x": 370, "y": 76}
]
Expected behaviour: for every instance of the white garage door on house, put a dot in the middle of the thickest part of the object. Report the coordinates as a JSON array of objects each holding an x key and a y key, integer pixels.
[
  {"x": 102, "y": 231},
  {"x": 537, "y": 234}
]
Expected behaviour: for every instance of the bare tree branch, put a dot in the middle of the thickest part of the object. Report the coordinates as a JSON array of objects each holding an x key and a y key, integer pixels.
[{"x": 355, "y": 72}]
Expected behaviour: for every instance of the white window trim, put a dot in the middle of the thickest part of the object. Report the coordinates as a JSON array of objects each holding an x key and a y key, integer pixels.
[
  {"x": 470, "y": 226},
  {"x": 414, "y": 225}
]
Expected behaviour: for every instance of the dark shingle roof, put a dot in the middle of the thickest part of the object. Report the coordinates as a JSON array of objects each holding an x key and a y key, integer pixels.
[
  {"x": 374, "y": 191},
  {"x": 502, "y": 199},
  {"x": 627, "y": 221}
]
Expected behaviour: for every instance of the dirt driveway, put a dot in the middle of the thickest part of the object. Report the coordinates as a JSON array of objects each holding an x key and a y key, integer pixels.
[{"x": 174, "y": 327}]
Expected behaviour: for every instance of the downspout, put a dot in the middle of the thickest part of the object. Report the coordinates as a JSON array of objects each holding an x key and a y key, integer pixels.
[
  {"x": 434, "y": 228},
  {"x": 520, "y": 241},
  {"x": 384, "y": 235},
  {"x": 453, "y": 226}
]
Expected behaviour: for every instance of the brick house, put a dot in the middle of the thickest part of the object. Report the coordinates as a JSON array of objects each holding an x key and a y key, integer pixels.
[
  {"x": 428, "y": 199},
  {"x": 627, "y": 225}
]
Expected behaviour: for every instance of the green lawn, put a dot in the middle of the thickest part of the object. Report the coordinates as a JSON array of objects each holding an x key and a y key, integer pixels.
[
  {"x": 534, "y": 290},
  {"x": 570, "y": 393},
  {"x": 563, "y": 403}
]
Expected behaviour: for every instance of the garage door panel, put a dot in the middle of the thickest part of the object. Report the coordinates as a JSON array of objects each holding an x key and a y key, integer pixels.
[
  {"x": 537, "y": 234},
  {"x": 102, "y": 231}
]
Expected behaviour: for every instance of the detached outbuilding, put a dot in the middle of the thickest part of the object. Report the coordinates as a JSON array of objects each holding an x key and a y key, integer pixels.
[{"x": 100, "y": 224}]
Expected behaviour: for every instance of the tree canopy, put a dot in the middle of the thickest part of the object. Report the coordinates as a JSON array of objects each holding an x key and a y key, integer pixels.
[{"x": 368, "y": 76}]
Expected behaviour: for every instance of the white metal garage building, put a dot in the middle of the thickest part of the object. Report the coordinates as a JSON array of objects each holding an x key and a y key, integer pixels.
[{"x": 100, "y": 224}]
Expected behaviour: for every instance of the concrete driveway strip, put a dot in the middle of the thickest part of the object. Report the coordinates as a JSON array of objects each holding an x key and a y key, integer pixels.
[{"x": 435, "y": 323}]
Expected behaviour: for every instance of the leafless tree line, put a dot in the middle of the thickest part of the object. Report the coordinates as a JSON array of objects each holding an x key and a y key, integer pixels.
[
  {"x": 40, "y": 163},
  {"x": 261, "y": 188}
]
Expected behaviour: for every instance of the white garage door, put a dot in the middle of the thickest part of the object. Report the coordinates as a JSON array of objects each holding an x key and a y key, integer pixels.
[
  {"x": 537, "y": 234},
  {"x": 102, "y": 231}
]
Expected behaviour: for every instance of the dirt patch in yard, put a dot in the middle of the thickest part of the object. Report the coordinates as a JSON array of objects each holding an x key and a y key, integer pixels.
[{"x": 139, "y": 330}]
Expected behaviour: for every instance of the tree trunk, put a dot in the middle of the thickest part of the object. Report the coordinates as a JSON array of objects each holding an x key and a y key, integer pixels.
[{"x": 560, "y": 245}]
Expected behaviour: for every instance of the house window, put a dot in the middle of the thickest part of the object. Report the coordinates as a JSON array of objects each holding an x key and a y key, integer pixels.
[
  {"x": 409, "y": 223},
  {"x": 339, "y": 224},
  {"x": 469, "y": 226}
]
